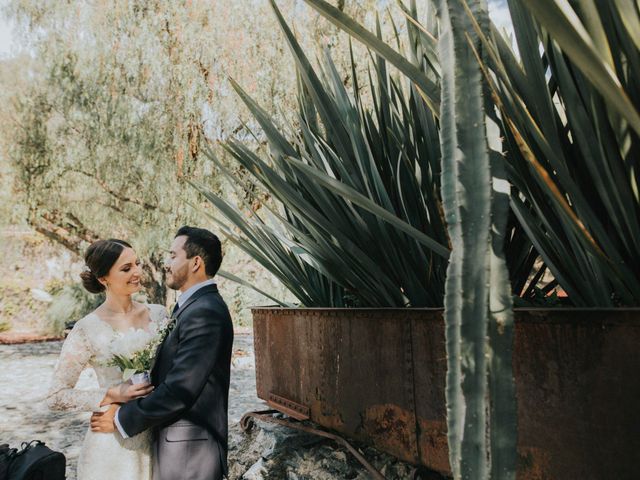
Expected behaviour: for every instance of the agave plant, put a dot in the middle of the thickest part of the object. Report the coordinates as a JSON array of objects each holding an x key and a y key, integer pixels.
[
  {"x": 568, "y": 108},
  {"x": 570, "y": 113},
  {"x": 358, "y": 220}
]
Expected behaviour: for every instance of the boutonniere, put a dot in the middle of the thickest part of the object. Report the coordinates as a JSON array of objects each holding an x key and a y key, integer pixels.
[
  {"x": 166, "y": 330},
  {"x": 162, "y": 334}
]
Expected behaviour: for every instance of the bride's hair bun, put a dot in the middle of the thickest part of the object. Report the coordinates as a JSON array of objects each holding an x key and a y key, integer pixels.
[
  {"x": 99, "y": 258},
  {"x": 90, "y": 282}
]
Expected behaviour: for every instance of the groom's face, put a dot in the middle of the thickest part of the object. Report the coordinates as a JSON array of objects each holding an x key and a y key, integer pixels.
[{"x": 177, "y": 265}]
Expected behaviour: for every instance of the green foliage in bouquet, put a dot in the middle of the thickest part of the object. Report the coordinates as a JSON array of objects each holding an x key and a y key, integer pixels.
[{"x": 141, "y": 361}]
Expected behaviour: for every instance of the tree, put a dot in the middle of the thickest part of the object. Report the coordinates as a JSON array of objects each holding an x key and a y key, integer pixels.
[{"x": 119, "y": 101}]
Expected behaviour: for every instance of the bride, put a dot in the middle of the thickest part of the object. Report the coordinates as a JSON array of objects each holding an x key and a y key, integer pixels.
[{"x": 112, "y": 267}]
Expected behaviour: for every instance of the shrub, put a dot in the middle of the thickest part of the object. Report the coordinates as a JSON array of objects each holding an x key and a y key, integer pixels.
[{"x": 70, "y": 304}]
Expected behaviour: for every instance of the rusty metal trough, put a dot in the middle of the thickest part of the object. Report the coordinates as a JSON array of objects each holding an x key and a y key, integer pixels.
[{"x": 378, "y": 375}]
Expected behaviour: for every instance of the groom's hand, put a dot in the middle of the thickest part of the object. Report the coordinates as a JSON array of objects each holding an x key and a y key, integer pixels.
[{"x": 102, "y": 422}]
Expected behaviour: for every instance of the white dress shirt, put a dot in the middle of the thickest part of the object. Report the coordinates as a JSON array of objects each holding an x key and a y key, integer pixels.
[{"x": 184, "y": 296}]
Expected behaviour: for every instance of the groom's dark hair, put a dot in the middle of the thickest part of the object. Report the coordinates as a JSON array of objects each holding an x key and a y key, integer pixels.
[{"x": 204, "y": 244}]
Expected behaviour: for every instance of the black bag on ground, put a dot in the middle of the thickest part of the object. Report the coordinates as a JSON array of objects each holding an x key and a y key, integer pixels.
[
  {"x": 35, "y": 461},
  {"x": 5, "y": 457}
]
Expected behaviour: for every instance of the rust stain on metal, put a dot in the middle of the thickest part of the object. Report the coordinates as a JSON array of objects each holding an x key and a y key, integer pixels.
[
  {"x": 391, "y": 427},
  {"x": 432, "y": 439},
  {"x": 533, "y": 464},
  {"x": 326, "y": 417}
]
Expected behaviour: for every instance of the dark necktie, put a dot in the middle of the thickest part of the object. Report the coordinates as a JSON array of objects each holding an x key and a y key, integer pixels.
[{"x": 175, "y": 309}]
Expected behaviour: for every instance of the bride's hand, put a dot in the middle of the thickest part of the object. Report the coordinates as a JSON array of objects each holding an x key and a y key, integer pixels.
[{"x": 124, "y": 392}]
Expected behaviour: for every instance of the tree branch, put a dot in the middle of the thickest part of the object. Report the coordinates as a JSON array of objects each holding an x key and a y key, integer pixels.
[
  {"x": 64, "y": 229},
  {"x": 113, "y": 193}
]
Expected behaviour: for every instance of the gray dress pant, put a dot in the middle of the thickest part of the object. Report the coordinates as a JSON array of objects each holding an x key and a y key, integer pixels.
[{"x": 185, "y": 451}]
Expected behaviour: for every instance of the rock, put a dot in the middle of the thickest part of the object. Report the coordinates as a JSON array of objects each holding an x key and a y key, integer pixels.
[
  {"x": 256, "y": 472},
  {"x": 270, "y": 452},
  {"x": 244, "y": 362}
]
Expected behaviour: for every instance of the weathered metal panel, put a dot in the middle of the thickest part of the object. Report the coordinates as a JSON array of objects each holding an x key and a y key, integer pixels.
[
  {"x": 430, "y": 360},
  {"x": 379, "y": 376},
  {"x": 578, "y": 383},
  {"x": 353, "y": 369}
]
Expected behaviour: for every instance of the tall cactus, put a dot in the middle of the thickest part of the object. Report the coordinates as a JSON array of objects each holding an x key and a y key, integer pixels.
[
  {"x": 478, "y": 306},
  {"x": 478, "y": 313}
]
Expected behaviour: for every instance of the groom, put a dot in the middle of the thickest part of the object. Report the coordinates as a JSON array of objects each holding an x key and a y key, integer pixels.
[{"x": 188, "y": 407}]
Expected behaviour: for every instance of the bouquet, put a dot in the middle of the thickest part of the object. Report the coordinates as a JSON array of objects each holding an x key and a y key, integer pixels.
[{"x": 134, "y": 353}]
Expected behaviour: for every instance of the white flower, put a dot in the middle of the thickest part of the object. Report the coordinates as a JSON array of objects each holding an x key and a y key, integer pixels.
[{"x": 131, "y": 341}]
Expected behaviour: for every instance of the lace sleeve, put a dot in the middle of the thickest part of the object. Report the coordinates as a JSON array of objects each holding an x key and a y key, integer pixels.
[{"x": 74, "y": 358}]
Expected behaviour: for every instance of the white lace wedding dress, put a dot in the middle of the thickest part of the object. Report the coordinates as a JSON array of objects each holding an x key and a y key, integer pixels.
[{"x": 104, "y": 456}]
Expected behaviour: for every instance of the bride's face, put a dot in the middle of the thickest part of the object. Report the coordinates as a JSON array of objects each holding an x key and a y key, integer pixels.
[{"x": 124, "y": 276}]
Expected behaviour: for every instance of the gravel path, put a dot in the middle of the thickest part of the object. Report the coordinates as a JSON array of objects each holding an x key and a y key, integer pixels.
[{"x": 25, "y": 372}]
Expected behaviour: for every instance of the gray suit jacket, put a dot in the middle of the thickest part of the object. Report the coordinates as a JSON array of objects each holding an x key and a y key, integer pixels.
[{"x": 188, "y": 408}]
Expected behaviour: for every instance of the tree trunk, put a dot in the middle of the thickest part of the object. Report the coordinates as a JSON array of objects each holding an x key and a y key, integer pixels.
[{"x": 154, "y": 279}]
